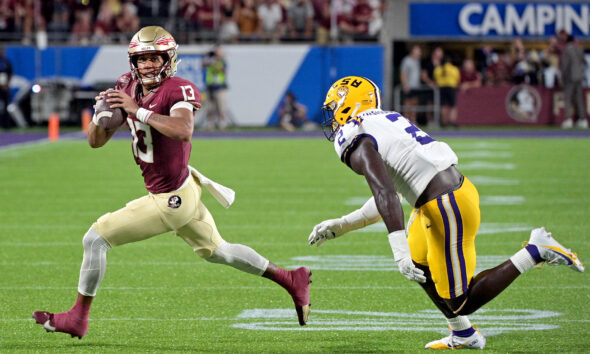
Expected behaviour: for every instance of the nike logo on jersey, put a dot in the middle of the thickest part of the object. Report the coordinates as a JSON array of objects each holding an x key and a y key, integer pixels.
[
  {"x": 153, "y": 105},
  {"x": 428, "y": 226}
]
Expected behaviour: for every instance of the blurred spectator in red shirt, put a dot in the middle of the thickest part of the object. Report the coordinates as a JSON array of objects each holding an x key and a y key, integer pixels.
[
  {"x": 323, "y": 20},
  {"x": 26, "y": 17},
  {"x": 83, "y": 28},
  {"x": 188, "y": 13},
  {"x": 6, "y": 16},
  {"x": 205, "y": 18},
  {"x": 347, "y": 27},
  {"x": 127, "y": 22},
  {"x": 362, "y": 13},
  {"x": 105, "y": 21},
  {"x": 470, "y": 78},
  {"x": 499, "y": 72}
]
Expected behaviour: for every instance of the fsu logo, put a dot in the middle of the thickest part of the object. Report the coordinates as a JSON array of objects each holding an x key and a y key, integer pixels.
[
  {"x": 523, "y": 104},
  {"x": 174, "y": 202},
  {"x": 165, "y": 41}
]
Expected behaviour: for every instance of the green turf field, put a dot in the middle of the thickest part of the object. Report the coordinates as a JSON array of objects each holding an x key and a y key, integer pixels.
[{"x": 158, "y": 296}]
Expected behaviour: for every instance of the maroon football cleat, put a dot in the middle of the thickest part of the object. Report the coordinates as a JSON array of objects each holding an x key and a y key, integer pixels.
[
  {"x": 299, "y": 290},
  {"x": 62, "y": 322}
]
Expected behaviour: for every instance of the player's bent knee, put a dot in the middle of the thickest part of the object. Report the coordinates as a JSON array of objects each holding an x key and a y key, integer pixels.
[
  {"x": 218, "y": 255},
  {"x": 93, "y": 240}
]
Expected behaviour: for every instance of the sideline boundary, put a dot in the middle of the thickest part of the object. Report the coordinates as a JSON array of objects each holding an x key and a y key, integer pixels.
[{"x": 16, "y": 139}]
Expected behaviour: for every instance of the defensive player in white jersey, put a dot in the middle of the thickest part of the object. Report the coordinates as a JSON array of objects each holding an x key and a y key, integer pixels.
[
  {"x": 395, "y": 156},
  {"x": 160, "y": 114}
]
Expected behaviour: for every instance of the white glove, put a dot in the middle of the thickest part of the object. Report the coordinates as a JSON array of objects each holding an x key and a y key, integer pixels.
[
  {"x": 326, "y": 230},
  {"x": 403, "y": 258}
]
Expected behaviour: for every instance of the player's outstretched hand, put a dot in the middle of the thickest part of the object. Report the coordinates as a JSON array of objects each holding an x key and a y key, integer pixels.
[
  {"x": 326, "y": 230},
  {"x": 409, "y": 270},
  {"x": 403, "y": 257}
]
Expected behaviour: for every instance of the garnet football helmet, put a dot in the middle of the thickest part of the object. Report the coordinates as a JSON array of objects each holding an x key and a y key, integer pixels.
[
  {"x": 153, "y": 40},
  {"x": 347, "y": 98}
]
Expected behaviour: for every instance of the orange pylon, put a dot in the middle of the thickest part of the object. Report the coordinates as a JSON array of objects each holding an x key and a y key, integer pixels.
[
  {"x": 86, "y": 118},
  {"x": 53, "y": 127}
]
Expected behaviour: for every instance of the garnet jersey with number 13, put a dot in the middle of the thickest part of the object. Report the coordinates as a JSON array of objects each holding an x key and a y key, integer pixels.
[{"x": 163, "y": 161}]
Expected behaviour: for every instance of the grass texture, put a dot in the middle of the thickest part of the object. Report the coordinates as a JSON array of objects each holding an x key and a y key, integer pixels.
[{"x": 158, "y": 296}]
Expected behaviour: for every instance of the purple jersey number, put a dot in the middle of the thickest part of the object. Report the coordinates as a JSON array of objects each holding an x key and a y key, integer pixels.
[{"x": 412, "y": 130}]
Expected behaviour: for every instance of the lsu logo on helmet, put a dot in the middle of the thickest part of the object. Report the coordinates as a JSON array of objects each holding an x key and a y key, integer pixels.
[{"x": 345, "y": 99}]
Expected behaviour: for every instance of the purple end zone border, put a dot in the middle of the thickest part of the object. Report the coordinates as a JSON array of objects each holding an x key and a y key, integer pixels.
[{"x": 10, "y": 138}]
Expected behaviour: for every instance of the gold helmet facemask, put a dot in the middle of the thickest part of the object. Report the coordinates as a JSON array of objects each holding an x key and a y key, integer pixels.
[
  {"x": 345, "y": 99},
  {"x": 153, "y": 40}
]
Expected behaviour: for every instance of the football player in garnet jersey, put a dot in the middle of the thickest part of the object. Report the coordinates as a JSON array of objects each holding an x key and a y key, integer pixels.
[
  {"x": 159, "y": 110},
  {"x": 395, "y": 156}
]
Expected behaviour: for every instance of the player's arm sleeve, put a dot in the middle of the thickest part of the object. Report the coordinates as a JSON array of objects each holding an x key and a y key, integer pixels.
[
  {"x": 348, "y": 138},
  {"x": 185, "y": 95},
  {"x": 353, "y": 144},
  {"x": 183, "y": 104},
  {"x": 364, "y": 216}
]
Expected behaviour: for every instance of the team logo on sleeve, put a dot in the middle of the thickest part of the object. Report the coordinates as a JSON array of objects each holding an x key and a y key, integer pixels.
[{"x": 174, "y": 202}]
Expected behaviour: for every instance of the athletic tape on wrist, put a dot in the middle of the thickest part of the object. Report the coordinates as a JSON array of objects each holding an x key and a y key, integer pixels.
[
  {"x": 399, "y": 244},
  {"x": 143, "y": 114}
]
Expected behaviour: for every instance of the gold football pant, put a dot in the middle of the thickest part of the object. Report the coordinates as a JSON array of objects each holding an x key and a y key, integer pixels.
[
  {"x": 441, "y": 234},
  {"x": 180, "y": 211}
]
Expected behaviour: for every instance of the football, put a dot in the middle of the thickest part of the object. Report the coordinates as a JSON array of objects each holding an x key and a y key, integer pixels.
[{"x": 109, "y": 118}]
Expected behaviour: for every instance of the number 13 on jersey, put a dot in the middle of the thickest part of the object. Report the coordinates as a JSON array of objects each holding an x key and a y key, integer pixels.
[{"x": 146, "y": 139}]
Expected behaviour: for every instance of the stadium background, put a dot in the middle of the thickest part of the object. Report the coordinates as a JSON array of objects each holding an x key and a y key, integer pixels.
[
  {"x": 50, "y": 192},
  {"x": 71, "y": 68}
]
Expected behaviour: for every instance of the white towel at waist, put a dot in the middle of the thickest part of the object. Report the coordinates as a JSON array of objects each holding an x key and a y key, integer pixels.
[{"x": 224, "y": 195}]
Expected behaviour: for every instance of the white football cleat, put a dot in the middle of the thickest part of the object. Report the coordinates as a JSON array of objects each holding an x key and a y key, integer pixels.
[
  {"x": 474, "y": 341},
  {"x": 567, "y": 124},
  {"x": 553, "y": 252}
]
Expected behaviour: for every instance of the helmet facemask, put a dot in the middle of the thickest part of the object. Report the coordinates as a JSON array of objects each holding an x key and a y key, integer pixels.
[
  {"x": 329, "y": 124},
  {"x": 163, "y": 74}
]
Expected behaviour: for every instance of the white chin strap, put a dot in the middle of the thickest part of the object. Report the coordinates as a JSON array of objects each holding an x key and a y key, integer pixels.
[{"x": 358, "y": 105}]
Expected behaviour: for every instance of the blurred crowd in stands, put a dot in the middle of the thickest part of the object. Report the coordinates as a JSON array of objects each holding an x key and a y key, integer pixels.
[
  {"x": 85, "y": 22},
  {"x": 428, "y": 68}
]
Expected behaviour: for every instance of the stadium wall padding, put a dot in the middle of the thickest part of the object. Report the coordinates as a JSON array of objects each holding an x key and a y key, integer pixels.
[{"x": 258, "y": 75}]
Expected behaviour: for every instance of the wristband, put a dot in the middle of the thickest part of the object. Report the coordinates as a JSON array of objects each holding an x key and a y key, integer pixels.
[
  {"x": 95, "y": 119},
  {"x": 143, "y": 114},
  {"x": 366, "y": 215},
  {"x": 399, "y": 244}
]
